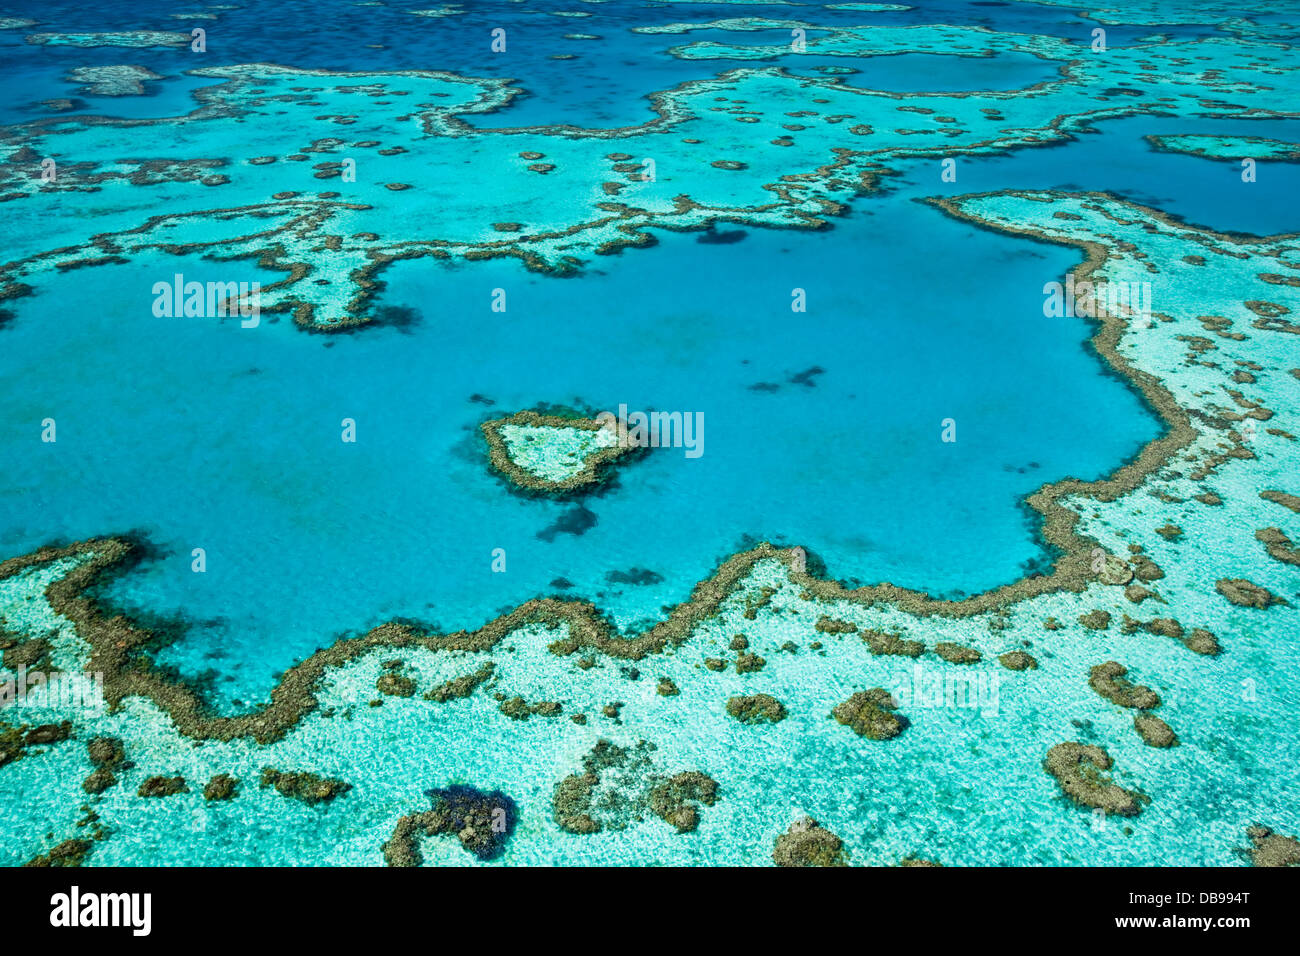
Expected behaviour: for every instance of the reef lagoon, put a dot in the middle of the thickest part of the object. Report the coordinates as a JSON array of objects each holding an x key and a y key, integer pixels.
[{"x": 650, "y": 433}]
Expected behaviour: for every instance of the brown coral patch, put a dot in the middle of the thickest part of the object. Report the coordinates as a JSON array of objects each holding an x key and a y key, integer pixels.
[
  {"x": 68, "y": 853},
  {"x": 221, "y": 787},
  {"x": 1278, "y": 545},
  {"x": 163, "y": 787},
  {"x": 1096, "y": 620},
  {"x": 1244, "y": 593},
  {"x": 870, "y": 714},
  {"x": 808, "y": 843},
  {"x": 957, "y": 653},
  {"x": 1079, "y": 770},
  {"x": 1272, "y": 849},
  {"x": 1154, "y": 731},
  {"x": 1109, "y": 681},
  {"x": 1017, "y": 661},
  {"x": 756, "y": 709},
  {"x": 1283, "y": 499},
  {"x": 307, "y": 788},
  {"x": 882, "y": 643}
]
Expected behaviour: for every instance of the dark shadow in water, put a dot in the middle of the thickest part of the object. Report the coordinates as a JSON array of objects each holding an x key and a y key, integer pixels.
[
  {"x": 711, "y": 236},
  {"x": 576, "y": 521},
  {"x": 400, "y": 317}
]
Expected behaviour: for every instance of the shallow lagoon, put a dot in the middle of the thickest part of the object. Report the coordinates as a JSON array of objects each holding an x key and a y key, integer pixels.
[
  {"x": 403, "y": 523},
  {"x": 307, "y": 536}
]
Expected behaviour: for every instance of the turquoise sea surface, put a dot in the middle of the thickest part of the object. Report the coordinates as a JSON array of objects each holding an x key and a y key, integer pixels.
[{"x": 835, "y": 340}]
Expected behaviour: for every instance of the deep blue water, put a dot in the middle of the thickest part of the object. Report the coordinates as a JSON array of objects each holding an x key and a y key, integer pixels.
[{"x": 607, "y": 85}]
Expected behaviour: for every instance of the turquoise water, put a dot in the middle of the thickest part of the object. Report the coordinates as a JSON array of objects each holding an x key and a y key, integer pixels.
[
  {"x": 404, "y": 522},
  {"x": 823, "y": 428},
  {"x": 1113, "y": 157}
]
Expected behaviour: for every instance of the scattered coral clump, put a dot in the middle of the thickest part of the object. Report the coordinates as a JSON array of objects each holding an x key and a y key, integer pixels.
[
  {"x": 808, "y": 843},
  {"x": 482, "y": 822},
  {"x": 871, "y": 713}
]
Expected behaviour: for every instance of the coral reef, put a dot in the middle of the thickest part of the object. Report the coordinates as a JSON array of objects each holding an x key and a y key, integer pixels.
[
  {"x": 808, "y": 843},
  {"x": 870, "y": 714},
  {"x": 1079, "y": 769},
  {"x": 482, "y": 822}
]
